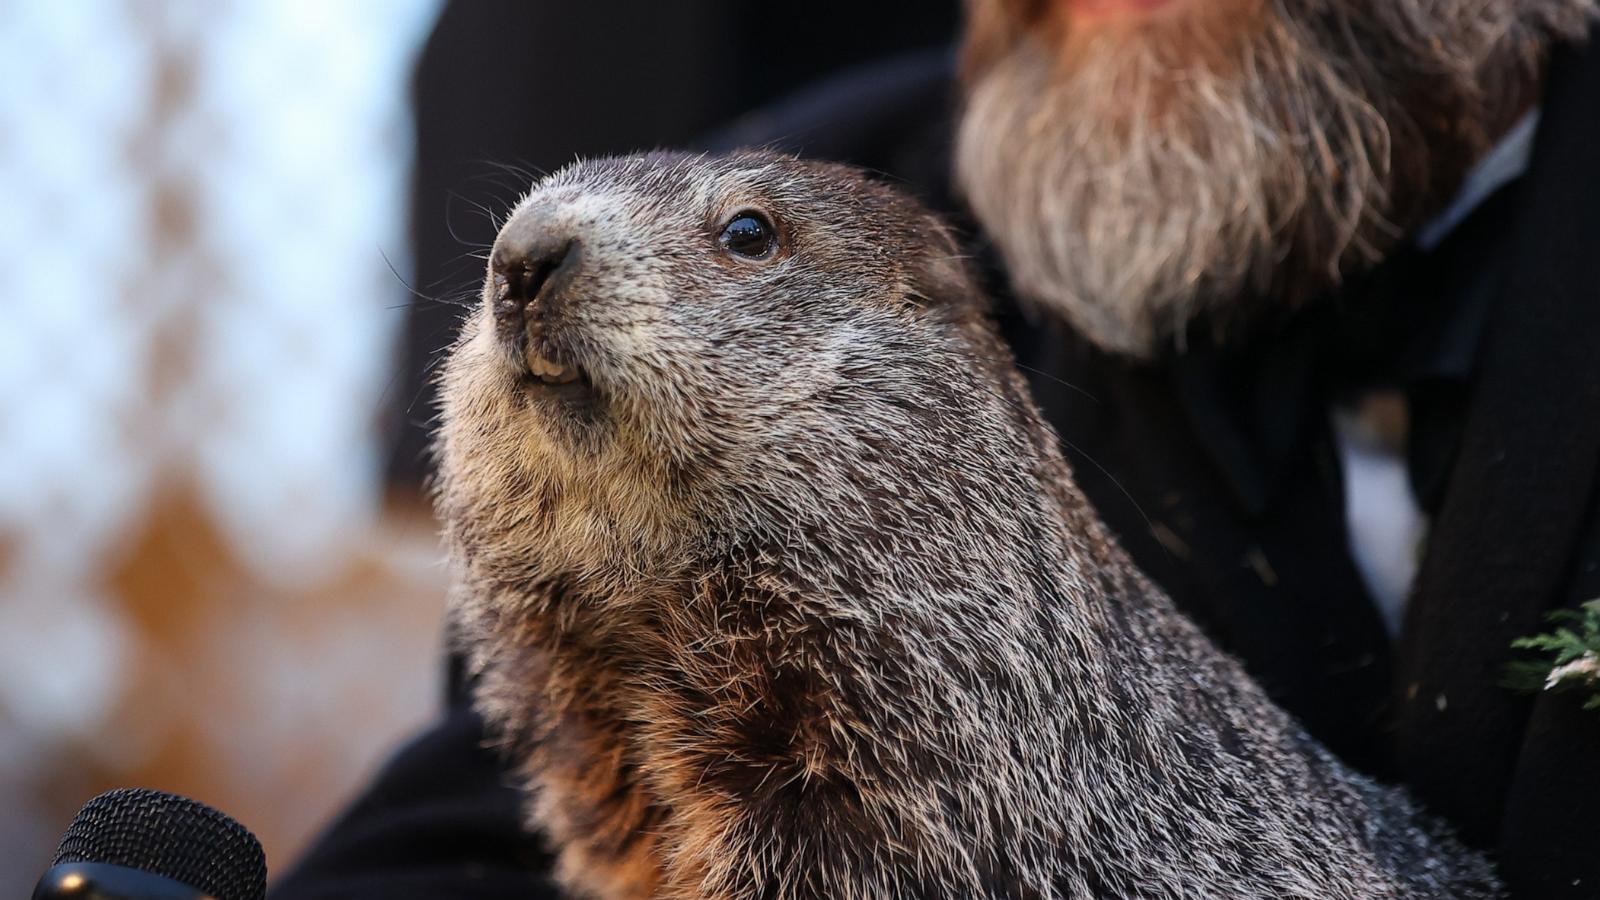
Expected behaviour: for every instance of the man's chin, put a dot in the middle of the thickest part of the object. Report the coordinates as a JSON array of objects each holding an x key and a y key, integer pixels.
[
  {"x": 1126, "y": 202},
  {"x": 1234, "y": 158},
  {"x": 1229, "y": 157}
]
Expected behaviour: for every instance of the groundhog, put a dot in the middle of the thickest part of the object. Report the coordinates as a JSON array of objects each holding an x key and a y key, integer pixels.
[{"x": 776, "y": 585}]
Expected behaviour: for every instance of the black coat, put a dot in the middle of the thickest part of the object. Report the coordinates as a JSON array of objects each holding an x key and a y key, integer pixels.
[{"x": 1217, "y": 470}]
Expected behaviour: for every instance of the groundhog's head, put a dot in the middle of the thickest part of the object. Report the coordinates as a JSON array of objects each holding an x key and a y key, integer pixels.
[{"x": 673, "y": 351}]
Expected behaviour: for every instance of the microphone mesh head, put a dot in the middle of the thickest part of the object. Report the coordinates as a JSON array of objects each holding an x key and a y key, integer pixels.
[{"x": 171, "y": 836}]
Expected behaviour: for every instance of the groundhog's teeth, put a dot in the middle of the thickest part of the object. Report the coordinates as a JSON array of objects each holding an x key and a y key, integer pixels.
[{"x": 549, "y": 371}]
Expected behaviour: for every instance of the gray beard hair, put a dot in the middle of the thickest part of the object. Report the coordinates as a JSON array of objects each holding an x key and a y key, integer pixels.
[{"x": 1136, "y": 188}]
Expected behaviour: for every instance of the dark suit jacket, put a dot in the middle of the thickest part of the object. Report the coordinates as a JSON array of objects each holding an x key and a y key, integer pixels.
[{"x": 1217, "y": 470}]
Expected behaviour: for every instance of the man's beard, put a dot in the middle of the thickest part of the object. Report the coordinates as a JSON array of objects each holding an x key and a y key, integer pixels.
[{"x": 1134, "y": 181}]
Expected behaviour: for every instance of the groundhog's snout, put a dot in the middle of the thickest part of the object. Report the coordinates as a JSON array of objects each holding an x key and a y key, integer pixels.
[{"x": 531, "y": 268}]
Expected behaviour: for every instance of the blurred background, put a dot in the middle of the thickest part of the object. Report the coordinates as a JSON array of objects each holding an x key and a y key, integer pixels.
[{"x": 230, "y": 235}]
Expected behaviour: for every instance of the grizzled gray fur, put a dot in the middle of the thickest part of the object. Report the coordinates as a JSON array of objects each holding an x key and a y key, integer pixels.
[{"x": 777, "y": 586}]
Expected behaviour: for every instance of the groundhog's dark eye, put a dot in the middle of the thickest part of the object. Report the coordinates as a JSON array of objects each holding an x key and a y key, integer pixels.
[{"x": 750, "y": 235}]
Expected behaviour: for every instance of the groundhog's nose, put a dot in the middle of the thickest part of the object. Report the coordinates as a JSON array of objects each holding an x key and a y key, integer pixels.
[{"x": 531, "y": 262}]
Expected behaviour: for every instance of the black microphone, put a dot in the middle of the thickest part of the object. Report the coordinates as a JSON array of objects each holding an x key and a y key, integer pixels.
[{"x": 136, "y": 844}]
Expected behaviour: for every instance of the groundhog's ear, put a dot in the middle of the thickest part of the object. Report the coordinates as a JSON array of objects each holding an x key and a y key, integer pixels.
[{"x": 942, "y": 279}]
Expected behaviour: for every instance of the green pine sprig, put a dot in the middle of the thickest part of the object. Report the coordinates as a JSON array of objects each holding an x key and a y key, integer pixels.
[{"x": 1569, "y": 655}]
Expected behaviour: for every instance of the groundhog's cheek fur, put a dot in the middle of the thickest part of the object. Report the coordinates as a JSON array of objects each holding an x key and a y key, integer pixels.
[{"x": 523, "y": 505}]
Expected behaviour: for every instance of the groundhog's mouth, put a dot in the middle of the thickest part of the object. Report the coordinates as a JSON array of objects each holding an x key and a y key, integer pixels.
[
  {"x": 549, "y": 371},
  {"x": 559, "y": 381}
]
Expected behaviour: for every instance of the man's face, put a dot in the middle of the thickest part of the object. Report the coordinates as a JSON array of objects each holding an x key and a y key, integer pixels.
[{"x": 1141, "y": 162}]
